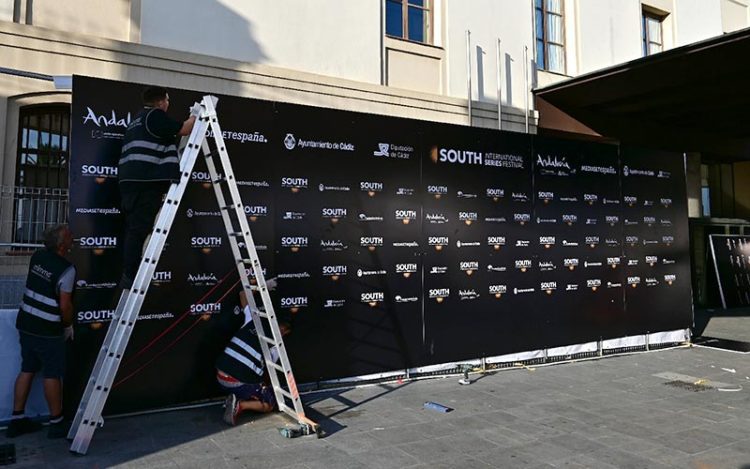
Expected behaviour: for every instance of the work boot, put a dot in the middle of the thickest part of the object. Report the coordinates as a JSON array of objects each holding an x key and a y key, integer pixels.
[
  {"x": 18, "y": 427},
  {"x": 57, "y": 430}
]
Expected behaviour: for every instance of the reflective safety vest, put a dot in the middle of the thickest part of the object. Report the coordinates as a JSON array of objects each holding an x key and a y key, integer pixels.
[
  {"x": 40, "y": 308},
  {"x": 242, "y": 358},
  {"x": 145, "y": 156}
]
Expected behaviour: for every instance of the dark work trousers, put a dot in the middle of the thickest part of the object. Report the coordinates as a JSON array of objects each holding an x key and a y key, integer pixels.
[{"x": 140, "y": 202}]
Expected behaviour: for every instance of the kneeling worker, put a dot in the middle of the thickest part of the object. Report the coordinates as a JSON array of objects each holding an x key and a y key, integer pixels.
[{"x": 241, "y": 370}]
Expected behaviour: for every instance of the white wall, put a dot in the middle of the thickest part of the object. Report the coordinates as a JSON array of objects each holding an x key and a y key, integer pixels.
[
  {"x": 6, "y": 10},
  {"x": 338, "y": 38},
  {"x": 488, "y": 20},
  {"x": 696, "y": 20},
  {"x": 610, "y": 33}
]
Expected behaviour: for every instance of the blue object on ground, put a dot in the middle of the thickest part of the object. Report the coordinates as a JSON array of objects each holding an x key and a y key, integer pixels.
[{"x": 435, "y": 406}]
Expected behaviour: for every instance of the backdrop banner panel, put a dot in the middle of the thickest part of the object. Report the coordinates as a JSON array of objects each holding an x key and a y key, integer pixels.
[{"x": 397, "y": 243}]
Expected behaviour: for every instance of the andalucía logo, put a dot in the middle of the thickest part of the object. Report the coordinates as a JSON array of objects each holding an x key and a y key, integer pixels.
[{"x": 106, "y": 120}]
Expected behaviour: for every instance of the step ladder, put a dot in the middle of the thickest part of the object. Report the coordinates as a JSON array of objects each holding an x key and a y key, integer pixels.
[{"x": 89, "y": 414}]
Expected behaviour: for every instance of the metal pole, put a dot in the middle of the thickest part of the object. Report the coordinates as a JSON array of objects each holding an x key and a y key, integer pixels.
[
  {"x": 526, "y": 86},
  {"x": 468, "y": 71},
  {"x": 499, "y": 89}
]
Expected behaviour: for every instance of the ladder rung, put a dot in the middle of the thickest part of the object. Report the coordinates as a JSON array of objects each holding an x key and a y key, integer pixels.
[
  {"x": 276, "y": 367},
  {"x": 286, "y": 393},
  {"x": 267, "y": 340}
]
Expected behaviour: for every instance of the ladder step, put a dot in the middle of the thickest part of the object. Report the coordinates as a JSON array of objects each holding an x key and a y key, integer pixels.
[
  {"x": 276, "y": 367},
  {"x": 286, "y": 393},
  {"x": 267, "y": 340}
]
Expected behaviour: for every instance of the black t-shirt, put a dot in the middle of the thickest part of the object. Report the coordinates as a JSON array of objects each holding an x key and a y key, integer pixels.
[{"x": 159, "y": 124}]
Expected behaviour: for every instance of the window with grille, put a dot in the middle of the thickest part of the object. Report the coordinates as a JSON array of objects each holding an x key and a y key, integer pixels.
[
  {"x": 40, "y": 195},
  {"x": 550, "y": 34},
  {"x": 409, "y": 19}
]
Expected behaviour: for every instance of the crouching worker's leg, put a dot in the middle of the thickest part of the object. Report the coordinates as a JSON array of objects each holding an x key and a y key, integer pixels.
[{"x": 253, "y": 397}]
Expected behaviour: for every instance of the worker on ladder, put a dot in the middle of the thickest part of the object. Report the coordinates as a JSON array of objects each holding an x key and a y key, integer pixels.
[{"x": 148, "y": 165}]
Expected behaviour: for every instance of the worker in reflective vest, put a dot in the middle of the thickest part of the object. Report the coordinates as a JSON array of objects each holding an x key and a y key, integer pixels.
[
  {"x": 44, "y": 322},
  {"x": 148, "y": 165}
]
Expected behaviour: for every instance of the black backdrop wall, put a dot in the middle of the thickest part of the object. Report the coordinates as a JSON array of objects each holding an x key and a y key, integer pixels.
[{"x": 397, "y": 243}]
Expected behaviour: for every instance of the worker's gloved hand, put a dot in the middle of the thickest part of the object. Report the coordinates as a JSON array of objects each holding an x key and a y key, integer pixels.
[
  {"x": 271, "y": 283},
  {"x": 248, "y": 315},
  {"x": 196, "y": 109},
  {"x": 68, "y": 333}
]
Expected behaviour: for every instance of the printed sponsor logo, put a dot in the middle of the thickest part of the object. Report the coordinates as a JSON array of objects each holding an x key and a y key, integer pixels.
[
  {"x": 334, "y": 272},
  {"x": 667, "y": 261},
  {"x": 468, "y": 294},
  {"x": 203, "y": 178},
  {"x": 254, "y": 212},
  {"x": 293, "y": 216},
  {"x": 669, "y": 279},
  {"x": 291, "y": 142},
  {"x": 593, "y": 284},
  {"x": 664, "y": 174},
  {"x": 190, "y": 213},
  {"x": 242, "y": 137},
  {"x": 98, "y": 172},
  {"x": 371, "y": 242},
  {"x": 405, "y": 299},
  {"x": 333, "y": 245},
  {"x": 495, "y": 193},
  {"x": 496, "y": 268},
  {"x": 438, "y": 270},
  {"x": 405, "y": 191},
  {"x": 590, "y": 199},
  {"x": 546, "y": 220},
  {"x": 652, "y": 260},
  {"x": 255, "y": 184},
  {"x": 498, "y": 290},
  {"x": 632, "y": 240},
  {"x": 571, "y": 263},
  {"x": 406, "y": 269},
  {"x": 665, "y": 202},
  {"x": 612, "y": 220},
  {"x": 592, "y": 241},
  {"x": 96, "y": 315},
  {"x": 591, "y": 221},
  {"x": 570, "y": 219},
  {"x": 467, "y": 244},
  {"x": 520, "y": 291},
  {"x": 465, "y": 195},
  {"x": 405, "y": 244},
  {"x": 334, "y": 303},
  {"x": 649, "y": 220},
  {"x": 161, "y": 278},
  {"x": 363, "y": 217},
  {"x": 614, "y": 285},
  {"x": 546, "y": 266},
  {"x": 507, "y": 161},
  {"x": 646, "y": 242},
  {"x": 612, "y": 242},
  {"x": 293, "y": 303},
  {"x": 372, "y": 188},
  {"x": 113, "y": 119},
  {"x": 652, "y": 281},
  {"x": 648, "y": 203},
  {"x": 406, "y": 216},
  {"x": 294, "y": 243},
  {"x": 607, "y": 170},
  {"x": 333, "y": 214},
  {"x": 547, "y": 241},
  {"x": 439, "y": 294},
  {"x": 667, "y": 240},
  {"x": 496, "y": 242},
  {"x": 389, "y": 150},
  {"x": 569, "y": 244},
  {"x": 468, "y": 267},
  {"x": 205, "y": 243},
  {"x": 523, "y": 264},
  {"x": 291, "y": 276},
  {"x": 370, "y": 273},
  {"x": 614, "y": 262},
  {"x": 630, "y": 222},
  {"x": 439, "y": 242},
  {"x": 628, "y": 171},
  {"x": 98, "y": 211},
  {"x": 447, "y": 155},
  {"x": 568, "y": 199},
  {"x": 519, "y": 197},
  {"x": 522, "y": 218},
  {"x": 548, "y": 287},
  {"x": 545, "y": 196},
  {"x": 523, "y": 243},
  {"x": 202, "y": 279},
  {"x": 631, "y": 200},
  {"x": 588, "y": 264},
  {"x": 295, "y": 184},
  {"x": 326, "y": 188},
  {"x": 634, "y": 281},
  {"x": 468, "y": 217},
  {"x": 607, "y": 201},
  {"x": 205, "y": 309},
  {"x": 571, "y": 287},
  {"x": 86, "y": 285},
  {"x": 554, "y": 165},
  {"x": 665, "y": 222},
  {"x": 98, "y": 244},
  {"x": 436, "y": 218},
  {"x": 495, "y": 219},
  {"x": 437, "y": 191}
]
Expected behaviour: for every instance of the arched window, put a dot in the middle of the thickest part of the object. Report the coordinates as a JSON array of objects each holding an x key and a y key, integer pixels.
[{"x": 40, "y": 195}]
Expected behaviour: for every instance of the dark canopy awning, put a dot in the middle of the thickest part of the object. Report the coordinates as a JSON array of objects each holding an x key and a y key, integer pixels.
[{"x": 692, "y": 98}]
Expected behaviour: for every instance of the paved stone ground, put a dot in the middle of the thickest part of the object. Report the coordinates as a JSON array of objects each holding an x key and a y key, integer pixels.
[{"x": 612, "y": 412}]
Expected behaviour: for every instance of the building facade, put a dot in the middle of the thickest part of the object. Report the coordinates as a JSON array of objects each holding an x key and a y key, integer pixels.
[{"x": 436, "y": 60}]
